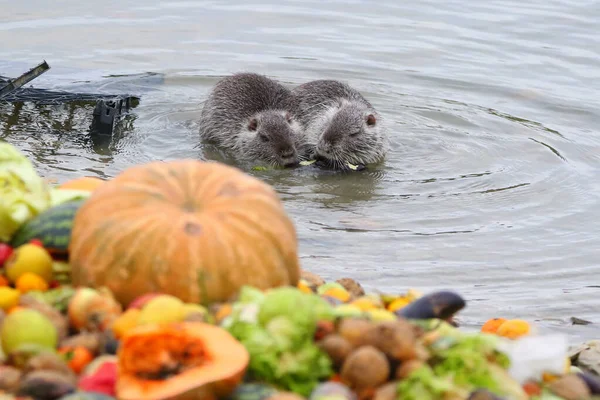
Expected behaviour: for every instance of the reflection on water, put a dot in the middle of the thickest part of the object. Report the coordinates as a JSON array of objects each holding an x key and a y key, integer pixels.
[
  {"x": 58, "y": 124},
  {"x": 492, "y": 185}
]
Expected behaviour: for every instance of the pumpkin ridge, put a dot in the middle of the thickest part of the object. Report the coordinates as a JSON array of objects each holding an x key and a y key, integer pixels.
[
  {"x": 238, "y": 253},
  {"x": 111, "y": 243},
  {"x": 130, "y": 230},
  {"x": 155, "y": 231},
  {"x": 190, "y": 175},
  {"x": 278, "y": 234},
  {"x": 273, "y": 232},
  {"x": 173, "y": 248},
  {"x": 259, "y": 231}
]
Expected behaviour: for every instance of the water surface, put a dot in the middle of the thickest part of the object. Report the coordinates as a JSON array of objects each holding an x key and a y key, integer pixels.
[{"x": 492, "y": 185}]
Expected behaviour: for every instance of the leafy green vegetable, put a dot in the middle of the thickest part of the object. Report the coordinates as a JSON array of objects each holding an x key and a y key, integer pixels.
[
  {"x": 23, "y": 193},
  {"x": 249, "y": 294},
  {"x": 461, "y": 363},
  {"x": 305, "y": 309},
  {"x": 277, "y": 329},
  {"x": 59, "y": 297},
  {"x": 423, "y": 384},
  {"x": 466, "y": 362},
  {"x": 307, "y": 162},
  {"x": 60, "y": 196}
]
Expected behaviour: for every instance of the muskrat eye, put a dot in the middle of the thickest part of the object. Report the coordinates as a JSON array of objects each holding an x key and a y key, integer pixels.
[
  {"x": 371, "y": 120},
  {"x": 263, "y": 137}
]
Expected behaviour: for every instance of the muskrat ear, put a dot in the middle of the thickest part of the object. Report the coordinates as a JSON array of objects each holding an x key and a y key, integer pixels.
[
  {"x": 288, "y": 117},
  {"x": 371, "y": 120},
  {"x": 253, "y": 124}
]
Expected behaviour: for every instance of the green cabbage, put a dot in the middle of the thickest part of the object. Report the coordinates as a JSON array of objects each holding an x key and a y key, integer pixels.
[
  {"x": 277, "y": 329},
  {"x": 23, "y": 193}
]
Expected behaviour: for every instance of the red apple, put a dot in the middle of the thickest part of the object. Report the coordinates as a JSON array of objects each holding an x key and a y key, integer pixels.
[
  {"x": 36, "y": 242},
  {"x": 141, "y": 301},
  {"x": 5, "y": 252}
]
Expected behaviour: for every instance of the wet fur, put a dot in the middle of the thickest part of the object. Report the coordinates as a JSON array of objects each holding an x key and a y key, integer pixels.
[
  {"x": 334, "y": 119},
  {"x": 236, "y": 101}
]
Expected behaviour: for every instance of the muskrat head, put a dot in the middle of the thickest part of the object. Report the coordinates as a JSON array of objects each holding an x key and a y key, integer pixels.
[
  {"x": 352, "y": 135},
  {"x": 271, "y": 137}
]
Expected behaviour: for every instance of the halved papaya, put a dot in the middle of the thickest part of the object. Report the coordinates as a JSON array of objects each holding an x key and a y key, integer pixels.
[{"x": 183, "y": 360}]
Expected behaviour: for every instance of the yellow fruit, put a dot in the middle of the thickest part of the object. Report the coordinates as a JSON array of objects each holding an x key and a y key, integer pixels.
[
  {"x": 548, "y": 377},
  {"x": 378, "y": 314},
  {"x": 192, "y": 308},
  {"x": 514, "y": 328},
  {"x": 126, "y": 321},
  {"x": 29, "y": 258},
  {"x": 338, "y": 293},
  {"x": 9, "y": 298},
  {"x": 365, "y": 304},
  {"x": 30, "y": 281},
  {"x": 162, "y": 309},
  {"x": 398, "y": 304},
  {"x": 347, "y": 310},
  {"x": 27, "y": 327},
  {"x": 223, "y": 312},
  {"x": 303, "y": 287},
  {"x": 413, "y": 294}
]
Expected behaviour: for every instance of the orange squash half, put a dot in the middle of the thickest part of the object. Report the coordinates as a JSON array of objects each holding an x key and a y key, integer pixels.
[{"x": 179, "y": 361}]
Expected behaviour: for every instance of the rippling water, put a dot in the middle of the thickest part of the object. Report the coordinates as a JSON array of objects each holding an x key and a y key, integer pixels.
[{"x": 492, "y": 187}]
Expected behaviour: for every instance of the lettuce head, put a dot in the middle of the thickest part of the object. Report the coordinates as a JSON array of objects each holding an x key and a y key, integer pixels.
[{"x": 23, "y": 193}]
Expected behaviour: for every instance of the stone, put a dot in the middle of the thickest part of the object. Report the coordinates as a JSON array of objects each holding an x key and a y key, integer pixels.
[
  {"x": 586, "y": 356},
  {"x": 352, "y": 286},
  {"x": 312, "y": 279}
]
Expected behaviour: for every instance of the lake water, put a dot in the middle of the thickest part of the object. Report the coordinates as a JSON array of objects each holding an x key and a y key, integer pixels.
[{"x": 492, "y": 187}]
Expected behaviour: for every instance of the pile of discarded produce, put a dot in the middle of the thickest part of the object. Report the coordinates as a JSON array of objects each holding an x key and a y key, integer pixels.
[{"x": 181, "y": 280}]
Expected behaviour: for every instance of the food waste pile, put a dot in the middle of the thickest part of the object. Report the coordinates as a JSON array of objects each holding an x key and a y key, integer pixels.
[{"x": 305, "y": 338}]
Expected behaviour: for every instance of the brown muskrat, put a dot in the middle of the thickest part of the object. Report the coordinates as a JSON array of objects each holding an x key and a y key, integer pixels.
[
  {"x": 340, "y": 125},
  {"x": 246, "y": 113}
]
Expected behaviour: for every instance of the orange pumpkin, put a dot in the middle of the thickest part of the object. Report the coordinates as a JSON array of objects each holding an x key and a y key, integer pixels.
[
  {"x": 88, "y": 183},
  {"x": 189, "y": 360},
  {"x": 195, "y": 230}
]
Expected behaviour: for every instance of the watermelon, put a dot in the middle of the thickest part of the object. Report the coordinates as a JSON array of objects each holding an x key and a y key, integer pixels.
[{"x": 52, "y": 227}]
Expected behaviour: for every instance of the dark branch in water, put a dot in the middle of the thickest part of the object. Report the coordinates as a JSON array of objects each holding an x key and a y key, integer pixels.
[{"x": 27, "y": 77}]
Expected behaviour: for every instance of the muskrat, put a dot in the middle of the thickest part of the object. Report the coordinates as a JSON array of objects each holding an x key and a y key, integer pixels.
[
  {"x": 341, "y": 126},
  {"x": 245, "y": 113}
]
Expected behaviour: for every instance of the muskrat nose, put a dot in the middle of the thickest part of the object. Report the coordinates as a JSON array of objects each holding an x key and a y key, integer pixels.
[
  {"x": 287, "y": 153},
  {"x": 325, "y": 147}
]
